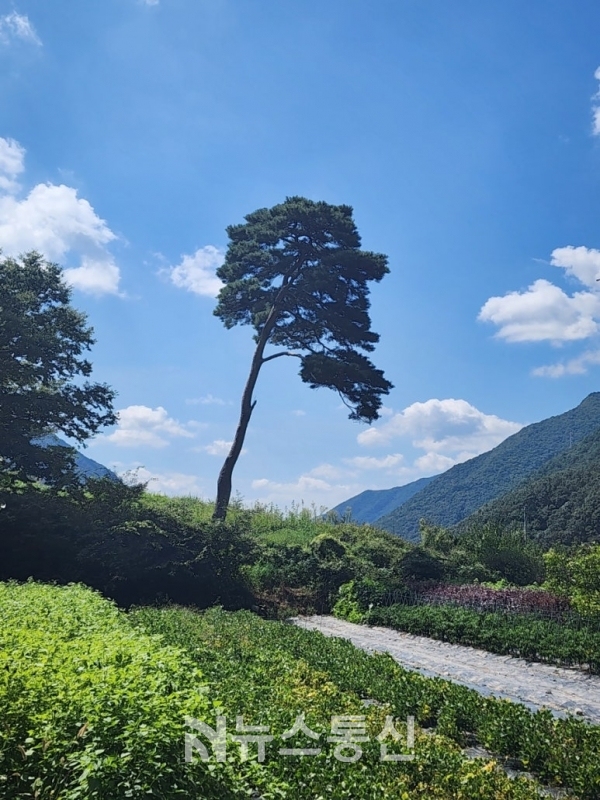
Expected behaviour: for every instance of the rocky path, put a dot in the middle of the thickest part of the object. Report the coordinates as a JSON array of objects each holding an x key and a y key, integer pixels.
[{"x": 563, "y": 691}]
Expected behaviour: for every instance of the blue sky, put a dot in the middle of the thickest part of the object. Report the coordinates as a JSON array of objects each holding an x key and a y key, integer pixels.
[{"x": 466, "y": 136}]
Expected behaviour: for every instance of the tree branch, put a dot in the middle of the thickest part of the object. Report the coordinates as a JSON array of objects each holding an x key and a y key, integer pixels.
[{"x": 278, "y": 355}]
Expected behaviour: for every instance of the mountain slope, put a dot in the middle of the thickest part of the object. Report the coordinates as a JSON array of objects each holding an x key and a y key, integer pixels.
[
  {"x": 86, "y": 467},
  {"x": 374, "y": 503},
  {"x": 558, "y": 504},
  {"x": 464, "y": 488}
]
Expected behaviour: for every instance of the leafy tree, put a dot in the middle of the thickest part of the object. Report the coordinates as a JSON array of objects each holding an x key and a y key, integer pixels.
[
  {"x": 575, "y": 573},
  {"x": 42, "y": 342},
  {"x": 296, "y": 273}
]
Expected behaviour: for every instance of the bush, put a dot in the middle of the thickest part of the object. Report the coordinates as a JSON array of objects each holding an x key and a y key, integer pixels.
[{"x": 133, "y": 547}]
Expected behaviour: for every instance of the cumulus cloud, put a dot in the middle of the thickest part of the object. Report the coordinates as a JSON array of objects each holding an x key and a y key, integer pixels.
[
  {"x": 543, "y": 313},
  {"x": 174, "y": 484},
  {"x": 15, "y": 26},
  {"x": 144, "y": 426},
  {"x": 95, "y": 276},
  {"x": 196, "y": 273},
  {"x": 442, "y": 432},
  {"x": 582, "y": 263},
  {"x": 56, "y": 222},
  {"x": 451, "y": 428},
  {"x": 575, "y": 366}
]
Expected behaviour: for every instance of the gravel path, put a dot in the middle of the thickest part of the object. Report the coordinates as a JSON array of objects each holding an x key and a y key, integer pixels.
[{"x": 563, "y": 691}]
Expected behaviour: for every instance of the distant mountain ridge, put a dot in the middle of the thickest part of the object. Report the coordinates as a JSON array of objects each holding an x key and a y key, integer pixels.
[
  {"x": 560, "y": 503},
  {"x": 371, "y": 504},
  {"x": 456, "y": 494}
]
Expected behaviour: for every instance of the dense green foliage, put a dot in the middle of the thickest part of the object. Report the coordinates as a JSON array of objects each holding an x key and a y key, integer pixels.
[
  {"x": 558, "y": 504},
  {"x": 484, "y": 553},
  {"x": 308, "y": 576},
  {"x": 134, "y": 547},
  {"x": 523, "y": 635},
  {"x": 296, "y": 273},
  {"x": 272, "y": 671},
  {"x": 575, "y": 573},
  {"x": 43, "y": 372},
  {"x": 371, "y": 504},
  {"x": 140, "y": 548},
  {"x": 459, "y": 492},
  {"x": 90, "y": 708}
]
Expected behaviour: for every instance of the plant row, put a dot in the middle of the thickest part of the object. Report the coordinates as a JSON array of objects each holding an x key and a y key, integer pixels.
[
  {"x": 251, "y": 661},
  {"x": 482, "y": 598},
  {"x": 520, "y": 635}
]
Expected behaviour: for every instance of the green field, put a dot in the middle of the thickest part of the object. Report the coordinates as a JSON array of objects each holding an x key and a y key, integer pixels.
[{"x": 93, "y": 705}]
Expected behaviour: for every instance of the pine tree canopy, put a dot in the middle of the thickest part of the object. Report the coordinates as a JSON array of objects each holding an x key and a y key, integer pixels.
[{"x": 296, "y": 273}]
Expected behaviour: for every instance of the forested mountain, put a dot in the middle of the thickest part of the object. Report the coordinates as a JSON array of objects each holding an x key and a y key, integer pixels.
[
  {"x": 459, "y": 492},
  {"x": 374, "y": 503},
  {"x": 559, "y": 503}
]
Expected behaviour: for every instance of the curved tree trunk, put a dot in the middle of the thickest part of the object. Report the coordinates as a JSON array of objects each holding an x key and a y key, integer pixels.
[{"x": 247, "y": 407}]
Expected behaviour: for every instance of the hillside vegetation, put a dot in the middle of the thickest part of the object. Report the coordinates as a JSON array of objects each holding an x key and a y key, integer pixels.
[
  {"x": 558, "y": 504},
  {"x": 459, "y": 492}
]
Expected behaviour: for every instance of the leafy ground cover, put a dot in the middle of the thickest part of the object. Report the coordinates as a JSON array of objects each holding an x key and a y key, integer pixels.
[
  {"x": 522, "y": 635},
  {"x": 270, "y": 671},
  {"x": 90, "y": 708}
]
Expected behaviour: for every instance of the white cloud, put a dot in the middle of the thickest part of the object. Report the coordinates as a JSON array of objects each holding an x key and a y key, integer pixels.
[
  {"x": 12, "y": 157},
  {"x": 175, "y": 484},
  {"x": 434, "y": 463},
  {"x": 220, "y": 447},
  {"x": 95, "y": 276},
  {"x": 308, "y": 488},
  {"x": 56, "y": 222},
  {"x": 196, "y": 273},
  {"x": 326, "y": 471},
  {"x": 450, "y": 427},
  {"x": 149, "y": 2},
  {"x": 596, "y": 108},
  {"x": 17, "y": 26},
  {"x": 299, "y": 413},
  {"x": 443, "y": 432},
  {"x": 206, "y": 400},
  {"x": 582, "y": 263},
  {"x": 144, "y": 426},
  {"x": 370, "y": 462},
  {"x": 543, "y": 313},
  {"x": 576, "y": 366}
]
